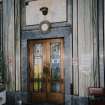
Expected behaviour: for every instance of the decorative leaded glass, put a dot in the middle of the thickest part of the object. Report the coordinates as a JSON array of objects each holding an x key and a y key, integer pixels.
[
  {"x": 56, "y": 87},
  {"x": 37, "y": 62},
  {"x": 55, "y": 61}
]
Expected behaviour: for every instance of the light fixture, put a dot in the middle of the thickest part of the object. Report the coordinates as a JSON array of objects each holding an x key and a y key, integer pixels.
[{"x": 44, "y": 10}]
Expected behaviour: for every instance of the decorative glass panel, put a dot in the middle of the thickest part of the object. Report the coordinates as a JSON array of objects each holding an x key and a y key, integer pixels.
[
  {"x": 37, "y": 62},
  {"x": 55, "y": 61},
  {"x": 55, "y": 87}
]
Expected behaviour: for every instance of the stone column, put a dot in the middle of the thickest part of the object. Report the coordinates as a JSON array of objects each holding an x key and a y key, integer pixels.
[
  {"x": 75, "y": 48},
  {"x": 11, "y": 34},
  {"x": 17, "y": 44},
  {"x": 9, "y": 41},
  {"x": 85, "y": 46},
  {"x": 101, "y": 40},
  {"x": 104, "y": 43}
]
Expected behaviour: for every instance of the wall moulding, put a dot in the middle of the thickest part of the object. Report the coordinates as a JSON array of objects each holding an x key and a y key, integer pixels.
[{"x": 32, "y": 14}]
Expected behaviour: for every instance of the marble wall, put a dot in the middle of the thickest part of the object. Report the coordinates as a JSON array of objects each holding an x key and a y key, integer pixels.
[
  {"x": 11, "y": 42},
  {"x": 86, "y": 46},
  {"x": 34, "y": 15},
  {"x": 88, "y": 41}
]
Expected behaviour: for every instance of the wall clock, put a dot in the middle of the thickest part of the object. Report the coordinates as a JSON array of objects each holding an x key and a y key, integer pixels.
[{"x": 45, "y": 26}]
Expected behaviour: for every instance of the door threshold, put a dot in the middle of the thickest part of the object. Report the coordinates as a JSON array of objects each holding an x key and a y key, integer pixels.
[{"x": 41, "y": 104}]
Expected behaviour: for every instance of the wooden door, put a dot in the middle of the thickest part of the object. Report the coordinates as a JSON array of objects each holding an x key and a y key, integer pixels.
[{"x": 46, "y": 70}]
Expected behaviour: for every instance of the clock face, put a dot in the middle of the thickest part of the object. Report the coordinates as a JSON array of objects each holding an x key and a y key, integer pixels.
[{"x": 44, "y": 26}]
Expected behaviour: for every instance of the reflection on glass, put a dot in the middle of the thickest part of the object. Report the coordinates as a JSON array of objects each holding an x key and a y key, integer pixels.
[
  {"x": 55, "y": 87},
  {"x": 37, "y": 62},
  {"x": 55, "y": 61}
]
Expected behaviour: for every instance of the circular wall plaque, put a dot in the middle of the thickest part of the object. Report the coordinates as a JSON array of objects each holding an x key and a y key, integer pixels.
[{"x": 45, "y": 26}]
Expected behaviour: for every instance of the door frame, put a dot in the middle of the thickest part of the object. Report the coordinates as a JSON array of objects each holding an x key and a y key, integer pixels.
[{"x": 61, "y": 32}]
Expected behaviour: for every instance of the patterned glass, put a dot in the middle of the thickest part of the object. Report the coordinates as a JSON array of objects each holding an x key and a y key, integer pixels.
[
  {"x": 56, "y": 87},
  {"x": 37, "y": 64},
  {"x": 55, "y": 61}
]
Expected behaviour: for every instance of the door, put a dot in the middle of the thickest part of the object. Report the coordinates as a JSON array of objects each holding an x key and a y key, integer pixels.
[{"x": 46, "y": 70}]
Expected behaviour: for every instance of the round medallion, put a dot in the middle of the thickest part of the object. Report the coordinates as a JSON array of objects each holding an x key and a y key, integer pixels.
[{"x": 45, "y": 26}]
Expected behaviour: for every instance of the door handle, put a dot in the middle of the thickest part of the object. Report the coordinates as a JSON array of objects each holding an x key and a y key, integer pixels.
[
  {"x": 62, "y": 80},
  {"x": 32, "y": 79},
  {"x": 36, "y": 79},
  {"x": 49, "y": 80},
  {"x": 1, "y": 98}
]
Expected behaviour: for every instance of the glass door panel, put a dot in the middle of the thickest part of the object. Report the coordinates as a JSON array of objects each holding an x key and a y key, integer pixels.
[
  {"x": 55, "y": 66},
  {"x": 55, "y": 87},
  {"x": 55, "y": 61},
  {"x": 37, "y": 66}
]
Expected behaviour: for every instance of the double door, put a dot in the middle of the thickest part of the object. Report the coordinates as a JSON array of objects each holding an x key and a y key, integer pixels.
[{"x": 46, "y": 70}]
